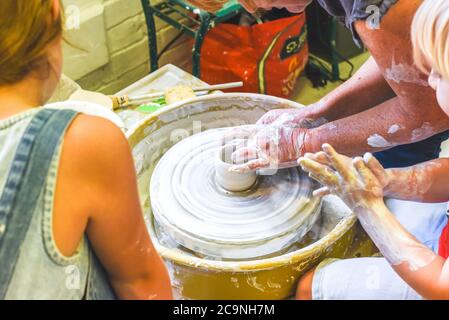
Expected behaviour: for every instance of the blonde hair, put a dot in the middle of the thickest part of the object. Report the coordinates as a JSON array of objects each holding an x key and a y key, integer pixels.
[
  {"x": 27, "y": 27},
  {"x": 430, "y": 37}
]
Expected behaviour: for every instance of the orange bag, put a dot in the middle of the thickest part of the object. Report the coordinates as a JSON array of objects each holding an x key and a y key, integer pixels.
[{"x": 267, "y": 57}]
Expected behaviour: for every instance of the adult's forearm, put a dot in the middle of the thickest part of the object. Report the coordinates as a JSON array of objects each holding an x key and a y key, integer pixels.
[
  {"x": 383, "y": 127},
  {"x": 426, "y": 182},
  {"x": 367, "y": 88}
]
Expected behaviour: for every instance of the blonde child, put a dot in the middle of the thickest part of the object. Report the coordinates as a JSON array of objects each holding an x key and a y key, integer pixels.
[{"x": 410, "y": 268}]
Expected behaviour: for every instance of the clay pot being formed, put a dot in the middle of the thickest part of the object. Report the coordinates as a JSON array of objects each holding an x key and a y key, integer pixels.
[{"x": 197, "y": 277}]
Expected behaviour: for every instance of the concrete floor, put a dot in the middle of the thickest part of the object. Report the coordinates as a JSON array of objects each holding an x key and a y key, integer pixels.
[{"x": 304, "y": 92}]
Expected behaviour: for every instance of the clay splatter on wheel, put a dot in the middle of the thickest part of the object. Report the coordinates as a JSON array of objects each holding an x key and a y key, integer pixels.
[{"x": 192, "y": 206}]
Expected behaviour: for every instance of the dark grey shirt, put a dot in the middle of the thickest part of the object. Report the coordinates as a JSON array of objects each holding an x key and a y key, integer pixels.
[{"x": 349, "y": 11}]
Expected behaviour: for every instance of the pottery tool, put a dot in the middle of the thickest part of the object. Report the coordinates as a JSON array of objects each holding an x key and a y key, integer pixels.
[
  {"x": 125, "y": 101},
  {"x": 200, "y": 276}
]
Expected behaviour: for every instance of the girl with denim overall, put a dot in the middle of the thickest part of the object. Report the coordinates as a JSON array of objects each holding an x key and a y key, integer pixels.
[
  {"x": 71, "y": 225},
  {"x": 29, "y": 257}
]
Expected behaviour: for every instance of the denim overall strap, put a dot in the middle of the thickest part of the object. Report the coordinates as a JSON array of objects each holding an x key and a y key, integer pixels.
[{"x": 25, "y": 182}]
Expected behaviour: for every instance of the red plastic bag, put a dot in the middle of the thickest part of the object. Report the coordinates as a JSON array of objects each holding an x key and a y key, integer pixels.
[{"x": 267, "y": 57}]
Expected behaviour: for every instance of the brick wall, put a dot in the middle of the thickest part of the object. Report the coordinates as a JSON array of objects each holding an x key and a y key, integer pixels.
[{"x": 127, "y": 47}]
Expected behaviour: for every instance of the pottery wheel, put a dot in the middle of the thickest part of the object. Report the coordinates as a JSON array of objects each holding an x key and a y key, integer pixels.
[{"x": 195, "y": 211}]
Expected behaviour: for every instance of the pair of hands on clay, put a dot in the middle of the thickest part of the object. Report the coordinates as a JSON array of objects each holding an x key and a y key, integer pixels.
[
  {"x": 359, "y": 182},
  {"x": 275, "y": 142}
]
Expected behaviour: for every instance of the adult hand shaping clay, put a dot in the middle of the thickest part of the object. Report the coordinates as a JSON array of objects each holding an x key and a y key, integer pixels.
[
  {"x": 299, "y": 118},
  {"x": 265, "y": 147}
]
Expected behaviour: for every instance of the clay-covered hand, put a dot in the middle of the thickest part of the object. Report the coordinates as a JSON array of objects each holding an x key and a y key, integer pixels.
[
  {"x": 353, "y": 181},
  {"x": 300, "y": 118},
  {"x": 357, "y": 185},
  {"x": 265, "y": 147},
  {"x": 385, "y": 176}
]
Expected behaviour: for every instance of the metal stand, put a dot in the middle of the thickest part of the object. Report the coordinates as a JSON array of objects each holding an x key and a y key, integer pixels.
[{"x": 196, "y": 25}]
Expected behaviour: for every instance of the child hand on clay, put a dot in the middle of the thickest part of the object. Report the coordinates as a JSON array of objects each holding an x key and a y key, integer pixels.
[
  {"x": 425, "y": 182},
  {"x": 360, "y": 184},
  {"x": 352, "y": 180}
]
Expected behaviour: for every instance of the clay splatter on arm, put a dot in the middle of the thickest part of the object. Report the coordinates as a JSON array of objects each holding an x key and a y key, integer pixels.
[
  {"x": 359, "y": 186},
  {"x": 377, "y": 129}
]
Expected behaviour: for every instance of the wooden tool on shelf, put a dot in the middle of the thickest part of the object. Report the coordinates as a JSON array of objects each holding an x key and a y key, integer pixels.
[{"x": 125, "y": 101}]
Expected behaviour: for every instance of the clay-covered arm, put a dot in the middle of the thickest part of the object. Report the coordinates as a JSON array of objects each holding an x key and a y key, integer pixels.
[
  {"x": 411, "y": 116},
  {"x": 366, "y": 89},
  {"x": 356, "y": 183},
  {"x": 426, "y": 182},
  {"x": 395, "y": 122},
  {"x": 422, "y": 269}
]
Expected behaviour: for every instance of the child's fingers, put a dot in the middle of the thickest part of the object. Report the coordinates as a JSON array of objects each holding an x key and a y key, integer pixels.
[
  {"x": 338, "y": 163},
  {"x": 319, "y": 172},
  {"x": 374, "y": 165},
  {"x": 319, "y": 157},
  {"x": 364, "y": 172}
]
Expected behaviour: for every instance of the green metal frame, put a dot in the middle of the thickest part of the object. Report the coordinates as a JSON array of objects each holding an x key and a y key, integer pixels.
[
  {"x": 333, "y": 45},
  {"x": 334, "y": 73},
  {"x": 196, "y": 27}
]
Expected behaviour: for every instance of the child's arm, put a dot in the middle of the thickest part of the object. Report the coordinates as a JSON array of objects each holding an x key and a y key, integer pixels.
[
  {"x": 422, "y": 269},
  {"x": 97, "y": 194},
  {"x": 426, "y": 182},
  {"x": 362, "y": 191}
]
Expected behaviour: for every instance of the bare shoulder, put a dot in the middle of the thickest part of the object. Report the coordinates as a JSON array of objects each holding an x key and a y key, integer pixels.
[
  {"x": 95, "y": 153},
  {"x": 95, "y": 158},
  {"x": 94, "y": 140},
  {"x": 94, "y": 132},
  {"x": 391, "y": 47}
]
